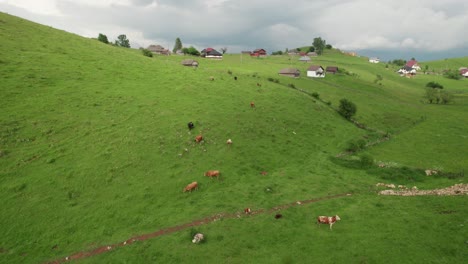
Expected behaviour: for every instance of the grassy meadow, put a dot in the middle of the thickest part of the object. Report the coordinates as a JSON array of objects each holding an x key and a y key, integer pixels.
[{"x": 94, "y": 149}]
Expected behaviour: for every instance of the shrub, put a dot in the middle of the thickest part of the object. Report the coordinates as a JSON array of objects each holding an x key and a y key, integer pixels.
[
  {"x": 229, "y": 72},
  {"x": 347, "y": 108},
  {"x": 147, "y": 53},
  {"x": 366, "y": 161},
  {"x": 292, "y": 85},
  {"x": 315, "y": 95},
  {"x": 434, "y": 85},
  {"x": 453, "y": 74}
]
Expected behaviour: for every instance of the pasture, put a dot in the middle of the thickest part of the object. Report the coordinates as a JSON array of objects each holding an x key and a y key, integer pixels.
[{"x": 95, "y": 149}]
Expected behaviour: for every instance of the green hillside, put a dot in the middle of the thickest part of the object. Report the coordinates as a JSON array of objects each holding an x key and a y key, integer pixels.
[{"x": 95, "y": 149}]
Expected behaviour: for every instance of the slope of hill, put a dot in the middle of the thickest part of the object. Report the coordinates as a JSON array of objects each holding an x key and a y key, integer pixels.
[{"x": 95, "y": 148}]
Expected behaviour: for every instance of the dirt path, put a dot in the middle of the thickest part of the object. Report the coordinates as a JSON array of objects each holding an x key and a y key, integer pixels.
[{"x": 169, "y": 230}]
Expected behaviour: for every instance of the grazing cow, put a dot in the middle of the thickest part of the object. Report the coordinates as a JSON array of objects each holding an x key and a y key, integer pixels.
[
  {"x": 190, "y": 125},
  {"x": 430, "y": 172},
  {"x": 247, "y": 210},
  {"x": 252, "y": 104},
  {"x": 212, "y": 173},
  {"x": 191, "y": 186},
  {"x": 197, "y": 238},
  {"x": 328, "y": 220},
  {"x": 229, "y": 142},
  {"x": 278, "y": 216},
  {"x": 259, "y": 85},
  {"x": 235, "y": 78},
  {"x": 198, "y": 138}
]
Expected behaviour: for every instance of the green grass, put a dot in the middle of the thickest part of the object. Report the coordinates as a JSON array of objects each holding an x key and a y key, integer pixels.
[{"x": 95, "y": 149}]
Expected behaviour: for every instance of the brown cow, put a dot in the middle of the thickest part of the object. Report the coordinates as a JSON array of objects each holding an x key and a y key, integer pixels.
[
  {"x": 198, "y": 138},
  {"x": 328, "y": 220},
  {"x": 212, "y": 173},
  {"x": 191, "y": 186},
  {"x": 252, "y": 104}
]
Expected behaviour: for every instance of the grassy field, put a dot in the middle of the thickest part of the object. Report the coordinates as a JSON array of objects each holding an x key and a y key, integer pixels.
[{"x": 94, "y": 149}]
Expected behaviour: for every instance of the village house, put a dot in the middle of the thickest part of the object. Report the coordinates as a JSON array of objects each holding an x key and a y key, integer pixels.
[
  {"x": 407, "y": 71},
  {"x": 332, "y": 69},
  {"x": 464, "y": 72},
  {"x": 211, "y": 53},
  {"x": 374, "y": 60},
  {"x": 413, "y": 64},
  {"x": 290, "y": 72},
  {"x": 304, "y": 59},
  {"x": 158, "y": 49},
  {"x": 259, "y": 53},
  {"x": 316, "y": 71}
]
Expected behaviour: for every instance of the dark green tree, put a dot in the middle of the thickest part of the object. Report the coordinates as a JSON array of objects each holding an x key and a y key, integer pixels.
[
  {"x": 191, "y": 51},
  {"x": 177, "y": 45},
  {"x": 103, "y": 38},
  {"x": 347, "y": 108},
  {"x": 434, "y": 85},
  {"x": 122, "y": 41},
  {"x": 311, "y": 49},
  {"x": 319, "y": 45},
  {"x": 147, "y": 53}
]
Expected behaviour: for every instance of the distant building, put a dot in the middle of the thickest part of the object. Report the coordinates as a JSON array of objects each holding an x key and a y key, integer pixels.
[
  {"x": 304, "y": 59},
  {"x": 413, "y": 64},
  {"x": 259, "y": 53},
  {"x": 316, "y": 71},
  {"x": 211, "y": 53},
  {"x": 374, "y": 60},
  {"x": 158, "y": 49},
  {"x": 290, "y": 72},
  {"x": 332, "y": 69}
]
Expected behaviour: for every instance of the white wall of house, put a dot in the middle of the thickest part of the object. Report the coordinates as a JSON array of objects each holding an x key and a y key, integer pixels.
[{"x": 315, "y": 74}]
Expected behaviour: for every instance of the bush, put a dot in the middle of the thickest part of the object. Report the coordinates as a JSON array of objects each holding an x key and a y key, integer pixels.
[
  {"x": 229, "y": 72},
  {"x": 315, "y": 95},
  {"x": 366, "y": 161},
  {"x": 356, "y": 145},
  {"x": 347, "y": 108},
  {"x": 147, "y": 53},
  {"x": 453, "y": 74},
  {"x": 434, "y": 85},
  {"x": 292, "y": 85}
]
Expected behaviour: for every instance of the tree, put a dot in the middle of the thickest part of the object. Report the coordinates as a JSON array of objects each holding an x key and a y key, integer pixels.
[
  {"x": 223, "y": 50},
  {"x": 434, "y": 85},
  {"x": 311, "y": 49},
  {"x": 103, "y": 38},
  {"x": 452, "y": 74},
  {"x": 191, "y": 51},
  {"x": 122, "y": 41},
  {"x": 147, "y": 53},
  {"x": 279, "y": 52},
  {"x": 177, "y": 45},
  {"x": 347, "y": 108},
  {"x": 319, "y": 45},
  {"x": 328, "y": 46}
]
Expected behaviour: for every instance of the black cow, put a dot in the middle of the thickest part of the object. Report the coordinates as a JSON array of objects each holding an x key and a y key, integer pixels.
[{"x": 190, "y": 125}]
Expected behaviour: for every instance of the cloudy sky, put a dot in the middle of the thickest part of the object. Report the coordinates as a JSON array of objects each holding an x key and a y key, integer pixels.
[{"x": 390, "y": 29}]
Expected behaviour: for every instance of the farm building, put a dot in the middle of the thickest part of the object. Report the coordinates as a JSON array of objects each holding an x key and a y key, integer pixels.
[
  {"x": 316, "y": 71},
  {"x": 407, "y": 70},
  {"x": 189, "y": 62},
  {"x": 304, "y": 59},
  {"x": 312, "y": 54},
  {"x": 374, "y": 60},
  {"x": 413, "y": 64},
  {"x": 332, "y": 69},
  {"x": 290, "y": 72},
  {"x": 464, "y": 72},
  {"x": 259, "y": 53},
  {"x": 158, "y": 49},
  {"x": 211, "y": 53}
]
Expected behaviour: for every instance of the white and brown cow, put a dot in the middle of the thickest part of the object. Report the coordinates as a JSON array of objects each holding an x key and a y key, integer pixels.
[
  {"x": 198, "y": 238},
  {"x": 328, "y": 220}
]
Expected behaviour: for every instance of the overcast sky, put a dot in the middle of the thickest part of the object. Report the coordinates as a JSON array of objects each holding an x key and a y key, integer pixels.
[{"x": 425, "y": 29}]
